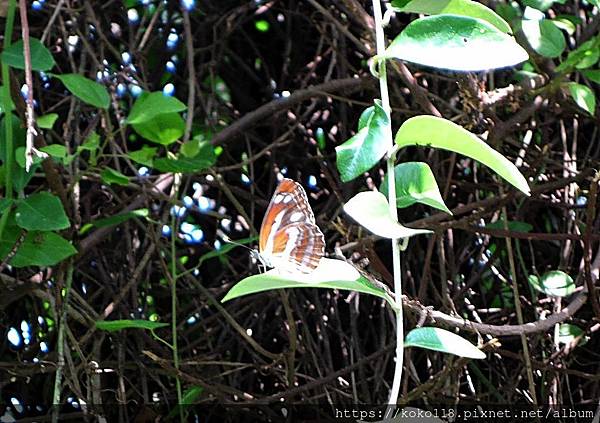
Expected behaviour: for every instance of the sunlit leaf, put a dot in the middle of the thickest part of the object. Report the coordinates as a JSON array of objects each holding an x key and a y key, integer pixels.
[
  {"x": 415, "y": 183},
  {"x": 555, "y": 283},
  {"x": 46, "y": 121},
  {"x": 364, "y": 150},
  {"x": 455, "y": 7},
  {"x": 371, "y": 210},
  {"x": 332, "y": 274},
  {"x": 544, "y": 37},
  {"x": 442, "y": 340},
  {"x": 583, "y": 96},
  {"x": 457, "y": 43},
  {"x": 431, "y": 131},
  {"x": 150, "y": 105}
]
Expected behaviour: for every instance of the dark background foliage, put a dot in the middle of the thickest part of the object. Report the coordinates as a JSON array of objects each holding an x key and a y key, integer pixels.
[{"x": 309, "y": 346}]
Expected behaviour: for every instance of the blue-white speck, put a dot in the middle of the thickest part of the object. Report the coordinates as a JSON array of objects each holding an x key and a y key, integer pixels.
[
  {"x": 36, "y": 5},
  {"x": 188, "y": 4},
  {"x": 44, "y": 347},
  {"x": 126, "y": 58},
  {"x": 172, "y": 41},
  {"x": 168, "y": 90},
  {"x": 133, "y": 16},
  {"x": 121, "y": 89},
  {"x": 166, "y": 230},
  {"x": 170, "y": 67},
  {"x": 135, "y": 90},
  {"x": 188, "y": 202},
  {"x": 178, "y": 211},
  {"x": 312, "y": 181},
  {"x": 14, "y": 337},
  {"x": 143, "y": 172},
  {"x": 186, "y": 227}
]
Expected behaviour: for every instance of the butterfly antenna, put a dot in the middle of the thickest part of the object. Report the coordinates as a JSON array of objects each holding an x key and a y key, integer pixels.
[{"x": 228, "y": 240}]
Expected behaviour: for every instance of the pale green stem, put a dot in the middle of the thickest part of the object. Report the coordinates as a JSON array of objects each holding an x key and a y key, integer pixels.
[
  {"x": 385, "y": 104},
  {"x": 174, "y": 315}
]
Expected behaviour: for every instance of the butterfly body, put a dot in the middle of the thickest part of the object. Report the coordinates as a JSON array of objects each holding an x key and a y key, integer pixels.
[{"x": 289, "y": 239}]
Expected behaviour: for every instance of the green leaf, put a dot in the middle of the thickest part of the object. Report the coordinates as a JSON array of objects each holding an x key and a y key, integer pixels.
[
  {"x": 38, "y": 248},
  {"x": 567, "y": 333},
  {"x": 85, "y": 89},
  {"x": 542, "y": 5},
  {"x": 442, "y": 340},
  {"x": 114, "y": 220},
  {"x": 436, "y": 132},
  {"x": 579, "y": 55},
  {"x": 592, "y": 75},
  {"x": 457, "y": 43},
  {"x": 163, "y": 129},
  {"x": 191, "y": 395},
  {"x": 5, "y": 204},
  {"x": 583, "y": 96},
  {"x": 41, "y": 58},
  {"x": 513, "y": 225},
  {"x": 143, "y": 156},
  {"x": 112, "y": 176},
  {"x": 182, "y": 164},
  {"x": 554, "y": 283},
  {"x": 58, "y": 151},
  {"x": 415, "y": 183},
  {"x": 589, "y": 59},
  {"x": 364, "y": 150},
  {"x": 41, "y": 212},
  {"x": 117, "y": 325},
  {"x": 544, "y": 37},
  {"x": 20, "y": 157},
  {"x": 332, "y": 274},
  {"x": 454, "y": 7},
  {"x": 150, "y": 105},
  {"x": 371, "y": 210},
  {"x": 47, "y": 121}
]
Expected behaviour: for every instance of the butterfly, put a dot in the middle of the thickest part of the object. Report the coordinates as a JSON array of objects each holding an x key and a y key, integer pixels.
[{"x": 290, "y": 240}]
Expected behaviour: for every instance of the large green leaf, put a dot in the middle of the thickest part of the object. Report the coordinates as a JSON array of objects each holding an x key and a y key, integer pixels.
[
  {"x": 456, "y": 42},
  {"x": 364, "y": 150},
  {"x": 86, "y": 90},
  {"x": 583, "y": 96},
  {"x": 371, "y": 209},
  {"x": 41, "y": 58},
  {"x": 544, "y": 37},
  {"x": 554, "y": 283},
  {"x": 41, "y": 212},
  {"x": 455, "y": 7},
  {"x": 332, "y": 274},
  {"x": 37, "y": 249},
  {"x": 150, "y": 105},
  {"x": 431, "y": 131},
  {"x": 593, "y": 75},
  {"x": 182, "y": 164},
  {"x": 415, "y": 183},
  {"x": 163, "y": 129},
  {"x": 117, "y": 325},
  {"x": 442, "y": 340}
]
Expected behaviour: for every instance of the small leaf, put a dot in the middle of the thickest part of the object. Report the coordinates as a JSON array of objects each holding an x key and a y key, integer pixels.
[
  {"x": 143, "y": 156},
  {"x": 182, "y": 164},
  {"x": 85, "y": 89},
  {"x": 41, "y": 58},
  {"x": 415, "y": 183},
  {"x": 150, "y": 105},
  {"x": 454, "y": 7},
  {"x": 442, "y": 340},
  {"x": 41, "y": 212},
  {"x": 457, "y": 43},
  {"x": 583, "y": 96},
  {"x": 592, "y": 75},
  {"x": 554, "y": 283},
  {"x": 364, "y": 150},
  {"x": 163, "y": 129},
  {"x": 513, "y": 225},
  {"x": 371, "y": 210},
  {"x": 332, "y": 274},
  {"x": 544, "y": 37},
  {"x": 542, "y": 5},
  {"x": 38, "y": 248},
  {"x": 191, "y": 395},
  {"x": 114, "y": 220},
  {"x": 5, "y": 203},
  {"x": 436, "y": 132},
  {"x": 58, "y": 151},
  {"x": 567, "y": 333},
  {"x": 112, "y": 176},
  {"x": 47, "y": 121},
  {"x": 20, "y": 157},
  {"x": 116, "y": 325}
]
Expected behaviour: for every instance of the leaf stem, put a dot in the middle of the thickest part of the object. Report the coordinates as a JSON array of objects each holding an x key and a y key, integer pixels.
[
  {"x": 391, "y": 159},
  {"x": 174, "y": 314},
  {"x": 8, "y": 128}
]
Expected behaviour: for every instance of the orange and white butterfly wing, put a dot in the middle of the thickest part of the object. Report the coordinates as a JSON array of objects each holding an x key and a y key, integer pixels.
[{"x": 289, "y": 238}]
